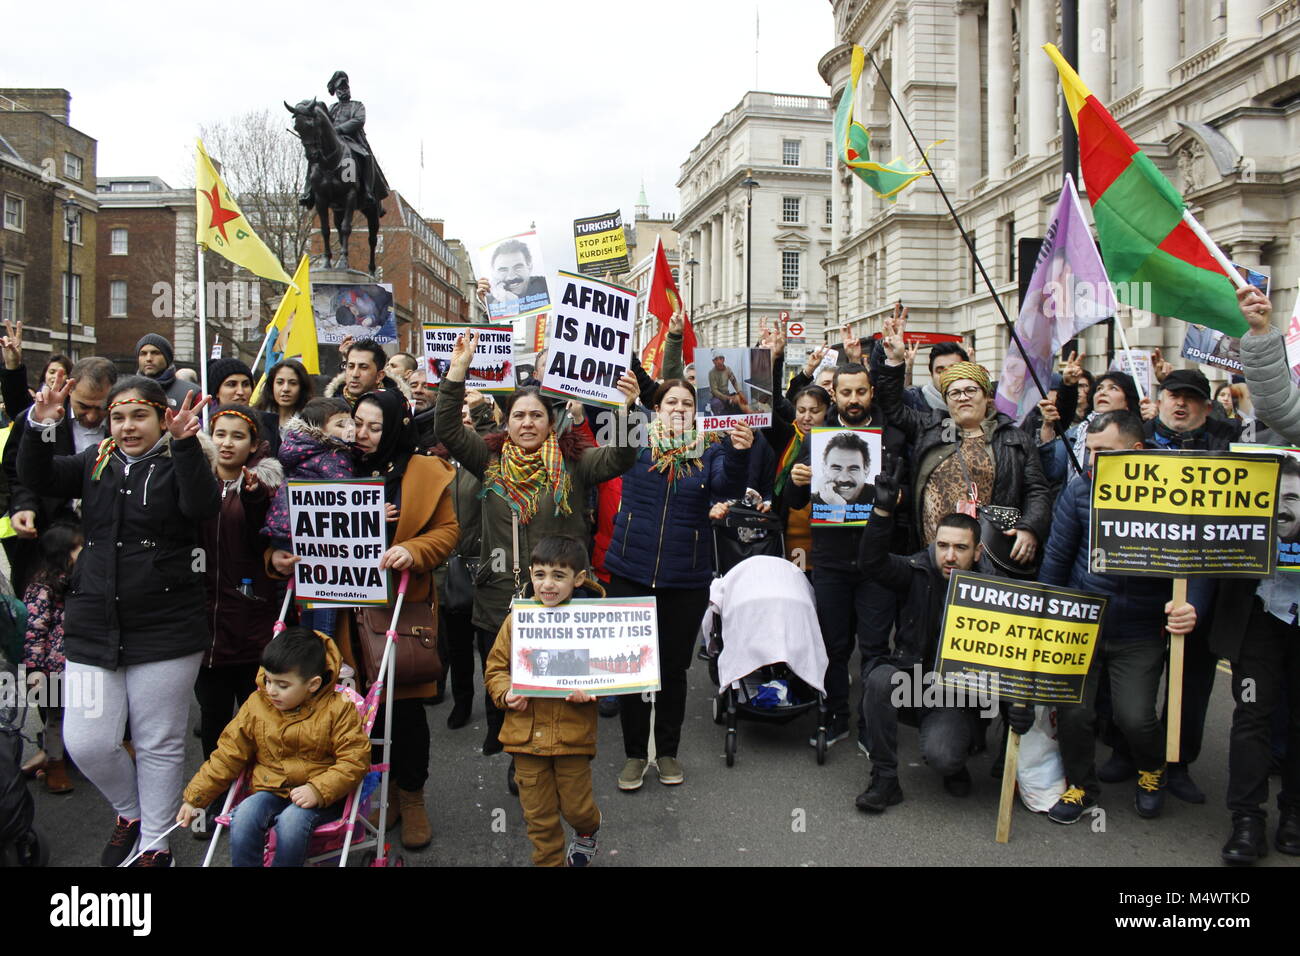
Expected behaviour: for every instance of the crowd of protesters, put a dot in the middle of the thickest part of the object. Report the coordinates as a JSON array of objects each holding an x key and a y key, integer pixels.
[{"x": 151, "y": 545}]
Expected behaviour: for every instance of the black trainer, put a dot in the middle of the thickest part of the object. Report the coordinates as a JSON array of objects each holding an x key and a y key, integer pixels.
[
  {"x": 1117, "y": 769},
  {"x": 126, "y": 834},
  {"x": 1247, "y": 842},
  {"x": 958, "y": 784},
  {"x": 1182, "y": 786},
  {"x": 158, "y": 858},
  {"x": 1149, "y": 798},
  {"x": 883, "y": 792}
]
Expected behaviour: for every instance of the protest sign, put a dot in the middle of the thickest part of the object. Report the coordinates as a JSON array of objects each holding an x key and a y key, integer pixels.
[
  {"x": 513, "y": 266},
  {"x": 1023, "y": 641},
  {"x": 1288, "y": 501},
  {"x": 1135, "y": 363},
  {"x": 733, "y": 386},
  {"x": 1210, "y": 346},
  {"x": 1178, "y": 514},
  {"x": 337, "y": 529},
  {"x": 600, "y": 244},
  {"x": 845, "y": 462},
  {"x": 590, "y": 340},
  {"x": 601, "y": 646},
  {"x": 491, "y": 369},
  {"x": 361, "y": 311}
]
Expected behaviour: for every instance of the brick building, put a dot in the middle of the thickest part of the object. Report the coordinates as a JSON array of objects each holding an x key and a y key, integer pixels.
[{"x": 47, "y": 175}]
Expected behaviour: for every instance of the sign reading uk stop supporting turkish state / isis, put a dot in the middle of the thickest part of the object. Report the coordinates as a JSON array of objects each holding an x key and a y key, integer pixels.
[
  {"x": 1178, "y": 514},
  {"x": 589, "y": 345},
  {"x": 337, "y": 530}
]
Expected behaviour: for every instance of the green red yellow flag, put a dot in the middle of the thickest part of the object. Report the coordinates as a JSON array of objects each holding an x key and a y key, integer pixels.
[
  {"x": 1154, "y": 258},
  {"x": 853, "y": 143},
  {"x": 221, "y": 227}
]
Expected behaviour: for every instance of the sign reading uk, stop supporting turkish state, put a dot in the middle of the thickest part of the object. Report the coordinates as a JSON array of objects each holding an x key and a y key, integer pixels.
[
  {"x": 589, "y": 345},
  {"x": 337, "y": 529},
  {"x": 1020, "y": 640},
  {"x": 597, "y": 645},
  {"x": 1179, "y": 514}
]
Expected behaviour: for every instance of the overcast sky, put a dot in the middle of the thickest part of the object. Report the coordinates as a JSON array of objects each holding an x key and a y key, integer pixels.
[{"x": 528, "y": 111}]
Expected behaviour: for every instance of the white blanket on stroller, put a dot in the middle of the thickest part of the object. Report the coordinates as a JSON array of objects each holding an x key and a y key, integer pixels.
[{"x": 768, "y": 617}]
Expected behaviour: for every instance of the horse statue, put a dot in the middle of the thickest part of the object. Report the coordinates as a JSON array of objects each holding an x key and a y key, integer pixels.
[{"x": 337, "y": 180}]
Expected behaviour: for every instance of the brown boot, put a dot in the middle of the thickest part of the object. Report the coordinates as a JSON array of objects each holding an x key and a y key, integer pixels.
[
  {"x": 56, "y": 777},
  {"x": 416, "y": 831}
]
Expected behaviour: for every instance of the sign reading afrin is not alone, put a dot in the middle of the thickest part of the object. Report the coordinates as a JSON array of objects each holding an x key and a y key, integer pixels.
[
  {"x": 590, "y": 342},
  {"x": 337, "y": 529}
]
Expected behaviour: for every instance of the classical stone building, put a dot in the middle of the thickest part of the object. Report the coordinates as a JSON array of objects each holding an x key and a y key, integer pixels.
[
  {"x": 1209, "y": 90},
  {"x": 784, "y": 143},
  {"x": 47, "y": 195},
  {"x": 643, "y": 236}
]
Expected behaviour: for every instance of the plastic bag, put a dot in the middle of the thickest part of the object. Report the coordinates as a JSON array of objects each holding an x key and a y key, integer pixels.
[{"x": 1040, "y": 770}]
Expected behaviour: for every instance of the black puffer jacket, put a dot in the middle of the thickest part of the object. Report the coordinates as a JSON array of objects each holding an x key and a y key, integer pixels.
[
  {"x": 1018, "y": 480},
  {"x": 136, "y": 594}
]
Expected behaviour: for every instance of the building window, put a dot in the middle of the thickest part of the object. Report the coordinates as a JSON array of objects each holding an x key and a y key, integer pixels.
[
  {"x": 830, "y": 154},
  {"x": 1009, "y": 225},
  {"x": 117, "y": 242},
  {"x": 14, "y": 208},
  {"x": 830, "y": 211},
  {"x": 76, "y": 297},
  {"x": 790, "y": 152},
  {"x": 12, "y": 301},
  {"x": 791, "y": 209},
  {"x": 789, "y": 272},
  {"x": 73, "y": 227},
  {"x": 117, "y": 298},
  {"x": 72, "y": 166},
  {"x": 974, "y": 246}
]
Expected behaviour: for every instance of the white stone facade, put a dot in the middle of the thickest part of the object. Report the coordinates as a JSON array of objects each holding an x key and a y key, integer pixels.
[
  {"x": 783, "y": 142},
  {"x": 1208, "y": 90}
]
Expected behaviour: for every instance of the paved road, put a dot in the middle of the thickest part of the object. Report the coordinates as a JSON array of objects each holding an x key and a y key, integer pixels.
[{"x": 776, "y": 807}]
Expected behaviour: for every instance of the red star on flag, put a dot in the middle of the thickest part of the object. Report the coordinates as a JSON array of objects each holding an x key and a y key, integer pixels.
[{"x": 220, "y": 215}]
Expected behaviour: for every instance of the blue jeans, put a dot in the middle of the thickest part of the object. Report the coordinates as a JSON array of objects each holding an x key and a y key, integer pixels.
[{"x": 293, "y": 826}]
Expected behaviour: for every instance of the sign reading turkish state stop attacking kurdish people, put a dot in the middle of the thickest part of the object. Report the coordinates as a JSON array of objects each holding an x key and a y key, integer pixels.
[
  {"x": 1179, "y": 514},
  {"x": 492, "y": 369},
  {"x": 337, "y": 529},
  {"x": 601, "y": 646},
  {"x": 601, "y": 244},
  {"x": 589, "y": 345},
  {"x": 1023, "y": 641}
]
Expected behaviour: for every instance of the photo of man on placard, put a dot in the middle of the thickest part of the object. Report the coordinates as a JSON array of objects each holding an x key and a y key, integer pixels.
[{"x": 844, "y": 463}]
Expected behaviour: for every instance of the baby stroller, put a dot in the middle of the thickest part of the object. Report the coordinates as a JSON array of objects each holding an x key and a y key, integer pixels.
[
  {"x": 20, "y": 841},
  {"x": 352, "y": 831},
  {"x": 765, "y": 647}
]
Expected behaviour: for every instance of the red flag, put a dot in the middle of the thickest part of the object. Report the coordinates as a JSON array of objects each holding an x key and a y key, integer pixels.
[{"x": 662, "y": 302}]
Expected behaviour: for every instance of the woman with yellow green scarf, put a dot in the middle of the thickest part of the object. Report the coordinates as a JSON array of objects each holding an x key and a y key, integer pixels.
[
  {"x": 535, "y": 484},
  {"x": 663, "y": 547}
]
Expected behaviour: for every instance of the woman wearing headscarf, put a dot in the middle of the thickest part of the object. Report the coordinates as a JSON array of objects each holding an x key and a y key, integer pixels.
[
  {"x": 421, "y": 531},
  {"x": 535, "y": 484}
]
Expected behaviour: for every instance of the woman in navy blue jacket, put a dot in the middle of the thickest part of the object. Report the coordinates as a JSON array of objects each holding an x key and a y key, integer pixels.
[{"x": 662, "y": 546}]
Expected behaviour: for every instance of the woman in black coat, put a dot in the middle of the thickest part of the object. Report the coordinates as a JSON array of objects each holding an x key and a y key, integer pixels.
[{"x": 134, "y": 621}]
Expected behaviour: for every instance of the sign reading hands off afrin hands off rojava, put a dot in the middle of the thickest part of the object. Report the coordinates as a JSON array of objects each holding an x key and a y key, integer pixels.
[
  {"x": 337, "y": 529},
  {"x": 1019, "y": 640},
  {"x": 1179, "y": 514},
  {"x": 492, "y": 369},
  {"x": 601, "y": 646},
  {"x": 589, "y": 343}
]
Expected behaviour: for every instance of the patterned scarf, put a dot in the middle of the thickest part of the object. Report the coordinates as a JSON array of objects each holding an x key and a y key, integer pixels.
[
  {"x": 520, "y": 477},
  {"x": 679, "y": 456},
  {"x": 788, "y": 458}
]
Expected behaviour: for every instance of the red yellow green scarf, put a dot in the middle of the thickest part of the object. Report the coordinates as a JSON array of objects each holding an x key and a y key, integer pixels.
[
  {"x": 520, "y": 477},
  {"x": 788, "y": 458},
  {"x": 679, "y": 456}
]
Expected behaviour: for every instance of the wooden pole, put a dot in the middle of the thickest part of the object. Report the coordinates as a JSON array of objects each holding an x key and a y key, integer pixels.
[
  {"x": 1174, "y": 709},
  {"x": 1010, "y": 761}
]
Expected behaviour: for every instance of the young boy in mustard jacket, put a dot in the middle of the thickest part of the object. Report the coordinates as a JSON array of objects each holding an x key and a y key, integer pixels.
[
  {"x": 304, "y": 744},
  {"x": 552, "y": 740}
]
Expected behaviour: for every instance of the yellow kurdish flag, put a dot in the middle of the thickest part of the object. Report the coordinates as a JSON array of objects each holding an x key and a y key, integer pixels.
[
  {"x": 222, "y": 228},
  {"x": 295, "y": 323}
]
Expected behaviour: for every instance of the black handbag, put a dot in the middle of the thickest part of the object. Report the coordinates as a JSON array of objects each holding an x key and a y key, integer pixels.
[
  {"x": 995, "y": 521},
  {"x": 457, "y": 592}
]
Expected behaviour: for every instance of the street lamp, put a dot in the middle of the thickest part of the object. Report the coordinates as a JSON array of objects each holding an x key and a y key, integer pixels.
[
  {"x": 70, "y": 218},
  {"x": 749, "y": 184},
  {"x": 691, "y": 264}
]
